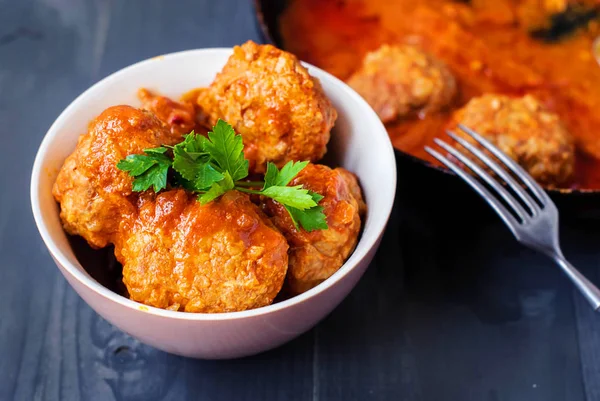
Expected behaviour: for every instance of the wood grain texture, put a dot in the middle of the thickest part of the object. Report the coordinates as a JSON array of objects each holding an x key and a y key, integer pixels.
[{"x": 440, "y": 315}]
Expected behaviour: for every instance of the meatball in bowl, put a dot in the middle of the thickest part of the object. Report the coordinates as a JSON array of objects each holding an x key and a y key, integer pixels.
[
  {"x": 233, "y": 268},
  {"x": 274, "y": 103}
]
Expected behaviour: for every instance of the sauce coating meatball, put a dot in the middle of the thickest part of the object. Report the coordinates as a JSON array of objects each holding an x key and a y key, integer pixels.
[
  {"x": 181, "y": 255},
  {"x": 180, "y": 117},
  {"x": 524, "y": 130},
  {"x": 94, "y": 195},
  {"x": 398, "y": 81},
  {"x": 270, "y": 99},
  {"x": 315, "y": 256}
]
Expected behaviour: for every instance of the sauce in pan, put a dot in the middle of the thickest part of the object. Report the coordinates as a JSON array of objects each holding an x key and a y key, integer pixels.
[{"x": 483, "y": 42}]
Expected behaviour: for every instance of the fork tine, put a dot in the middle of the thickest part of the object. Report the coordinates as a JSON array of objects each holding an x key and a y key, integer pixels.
[
  {"x": 511, "y": 164},
  {"x": 504, "y": 214},
  {"x": 525, "y": 197},
  {"x": 519, "y": 210}
]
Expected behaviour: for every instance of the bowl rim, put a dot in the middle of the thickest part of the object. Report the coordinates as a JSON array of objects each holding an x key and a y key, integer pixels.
[{"x": 359, "y": 253}]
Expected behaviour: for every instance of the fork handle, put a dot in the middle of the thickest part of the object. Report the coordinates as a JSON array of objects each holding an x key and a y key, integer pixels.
[{"x": 585, "y": 286}]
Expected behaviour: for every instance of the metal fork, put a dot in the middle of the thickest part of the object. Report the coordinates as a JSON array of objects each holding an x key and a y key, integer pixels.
[{"x": 537, "y": 224}]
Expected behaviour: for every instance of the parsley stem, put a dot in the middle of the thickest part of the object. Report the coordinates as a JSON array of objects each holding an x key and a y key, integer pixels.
[
  {"x": 248, "y": 191},
  {"x": 249, "y": 183}
]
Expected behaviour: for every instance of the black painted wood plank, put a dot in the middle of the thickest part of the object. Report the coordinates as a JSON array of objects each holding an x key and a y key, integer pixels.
[
  {"x": 586, "y": 239},
  {"x": 454, "y": 315}
]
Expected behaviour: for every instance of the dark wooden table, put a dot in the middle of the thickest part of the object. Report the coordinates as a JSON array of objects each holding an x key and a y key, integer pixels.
[{"x": 442, "y": 314}]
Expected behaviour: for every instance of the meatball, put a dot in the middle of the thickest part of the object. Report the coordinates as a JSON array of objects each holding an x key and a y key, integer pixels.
[
  {"x": 399, "y": 81},
  {"x": 316, "y": 255},
  {"x": 527, "y": 132},
  {"x": 180, "y": 117},
  {"x": 270, "y": 99},
  {"x": 181, "y": 255},
  {"x": 94, "y": 195}
]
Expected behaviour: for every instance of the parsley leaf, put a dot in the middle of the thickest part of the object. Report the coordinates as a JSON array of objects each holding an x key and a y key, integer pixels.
[
  {"x": 275, "y": 177},
  {"x": 193, "y": 143},
  {"x": 185, "y": 164},
  {"x": 155, "y": 151},
  {"x": 206, "y": 175},
  {"x": 179, "y": 181},
  {"x": 227, "y": 150},
  {"x": 155, "y": 176},
  {"x": 193, "y": 164},
  {"x": 296, "y": 196},
  {"x": 149, "y": 170},
  {"x": 310, "y": 219},
  {"x": 136, "y": 164},
  {"x": 316, "y": 197},
  {"x": 217, "y": 189}
]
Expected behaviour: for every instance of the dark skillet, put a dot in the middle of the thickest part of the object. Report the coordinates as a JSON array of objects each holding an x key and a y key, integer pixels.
[{"x": 437, "y": 185}]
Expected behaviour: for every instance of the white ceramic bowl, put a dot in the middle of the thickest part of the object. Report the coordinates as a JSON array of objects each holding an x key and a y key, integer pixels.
[{"x": 359, "y": 141}]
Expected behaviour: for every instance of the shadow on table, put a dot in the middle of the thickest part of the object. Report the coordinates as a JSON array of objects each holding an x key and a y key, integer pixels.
[{"x": 454, "y": 309}]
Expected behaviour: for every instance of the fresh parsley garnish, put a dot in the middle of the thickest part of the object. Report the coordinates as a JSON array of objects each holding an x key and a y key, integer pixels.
[
  {"x": 214, "y": 165},
  {"x": 227, "y": 150},
  {"x": 295, "y": 196},
  {"x": 149, "y": 170},
  {"x": 275, "y": 177},
  {"x": 217, "y": 189},
  {"x": 310, "y": 219}
]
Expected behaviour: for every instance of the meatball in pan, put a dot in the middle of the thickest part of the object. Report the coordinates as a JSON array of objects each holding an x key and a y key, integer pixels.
[
  {"x": 402, "y": 81},
  {"x": 523, "y": 129}
]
